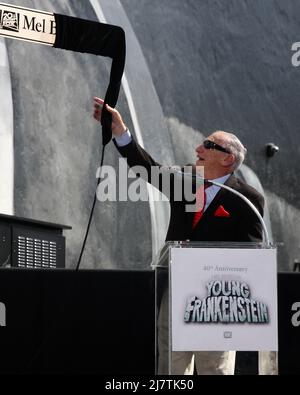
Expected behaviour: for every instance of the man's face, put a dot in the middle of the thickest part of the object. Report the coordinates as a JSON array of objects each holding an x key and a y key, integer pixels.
[{"x": 212, "y": 159}]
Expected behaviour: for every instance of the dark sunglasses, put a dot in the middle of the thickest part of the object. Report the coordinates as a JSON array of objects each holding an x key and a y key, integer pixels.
[{"x": 211, "y": 145}]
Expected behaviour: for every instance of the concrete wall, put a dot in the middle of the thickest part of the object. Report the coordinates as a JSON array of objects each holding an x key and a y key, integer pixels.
[
  {"x": 210, "y": 65},
  {"x": 58, "y": 147},
  {"x": 227, "y": 65},
  {"x": 6, "y": 135}
]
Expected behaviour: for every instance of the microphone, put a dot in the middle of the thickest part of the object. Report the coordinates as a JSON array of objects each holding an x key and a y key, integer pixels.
[{"x": 178, "y": 170}]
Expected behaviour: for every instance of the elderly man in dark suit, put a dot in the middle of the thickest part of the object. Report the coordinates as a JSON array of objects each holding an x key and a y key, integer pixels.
[{"x": 223, "y": 216}]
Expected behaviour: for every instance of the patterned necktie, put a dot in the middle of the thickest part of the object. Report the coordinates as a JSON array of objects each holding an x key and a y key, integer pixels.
[{"x": 200, "y": 204}]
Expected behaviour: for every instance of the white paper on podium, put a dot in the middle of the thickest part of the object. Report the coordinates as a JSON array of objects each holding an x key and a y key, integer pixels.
[{"x": 192, "y": 269}]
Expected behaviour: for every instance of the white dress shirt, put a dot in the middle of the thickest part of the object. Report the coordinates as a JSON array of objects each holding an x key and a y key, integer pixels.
[
  {"x": 124, "y": 139},
  {"x": 213, "y": 190}
]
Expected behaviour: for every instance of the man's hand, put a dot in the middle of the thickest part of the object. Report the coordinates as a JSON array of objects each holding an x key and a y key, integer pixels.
[{"x": 118, "y": 127}]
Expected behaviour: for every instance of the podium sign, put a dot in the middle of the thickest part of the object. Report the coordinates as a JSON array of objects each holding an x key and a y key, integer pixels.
[{"x": 223, "y": 299}]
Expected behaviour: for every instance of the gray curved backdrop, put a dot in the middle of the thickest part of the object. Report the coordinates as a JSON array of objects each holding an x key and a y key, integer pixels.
[{"x": 193, "y": 67}]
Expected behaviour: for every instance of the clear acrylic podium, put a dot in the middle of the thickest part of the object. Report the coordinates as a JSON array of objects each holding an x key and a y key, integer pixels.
[{"x": 216, "y": 297}]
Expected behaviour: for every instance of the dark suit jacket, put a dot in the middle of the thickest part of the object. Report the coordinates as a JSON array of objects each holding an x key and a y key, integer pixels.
[{"x": 242, "y": 224}]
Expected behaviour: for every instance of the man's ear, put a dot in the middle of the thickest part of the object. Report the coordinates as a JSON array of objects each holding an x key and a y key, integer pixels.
[{"x": 229, "y": 160}]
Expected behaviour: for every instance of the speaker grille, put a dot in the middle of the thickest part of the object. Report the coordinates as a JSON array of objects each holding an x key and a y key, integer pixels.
[{"x": 37, "y": 250}]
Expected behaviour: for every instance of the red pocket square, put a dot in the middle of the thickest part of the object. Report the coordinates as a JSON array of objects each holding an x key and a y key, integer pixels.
[{"x": 221, "y": 212}]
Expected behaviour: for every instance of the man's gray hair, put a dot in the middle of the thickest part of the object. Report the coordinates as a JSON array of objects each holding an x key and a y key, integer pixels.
[{"x": 234, "y": 145}]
